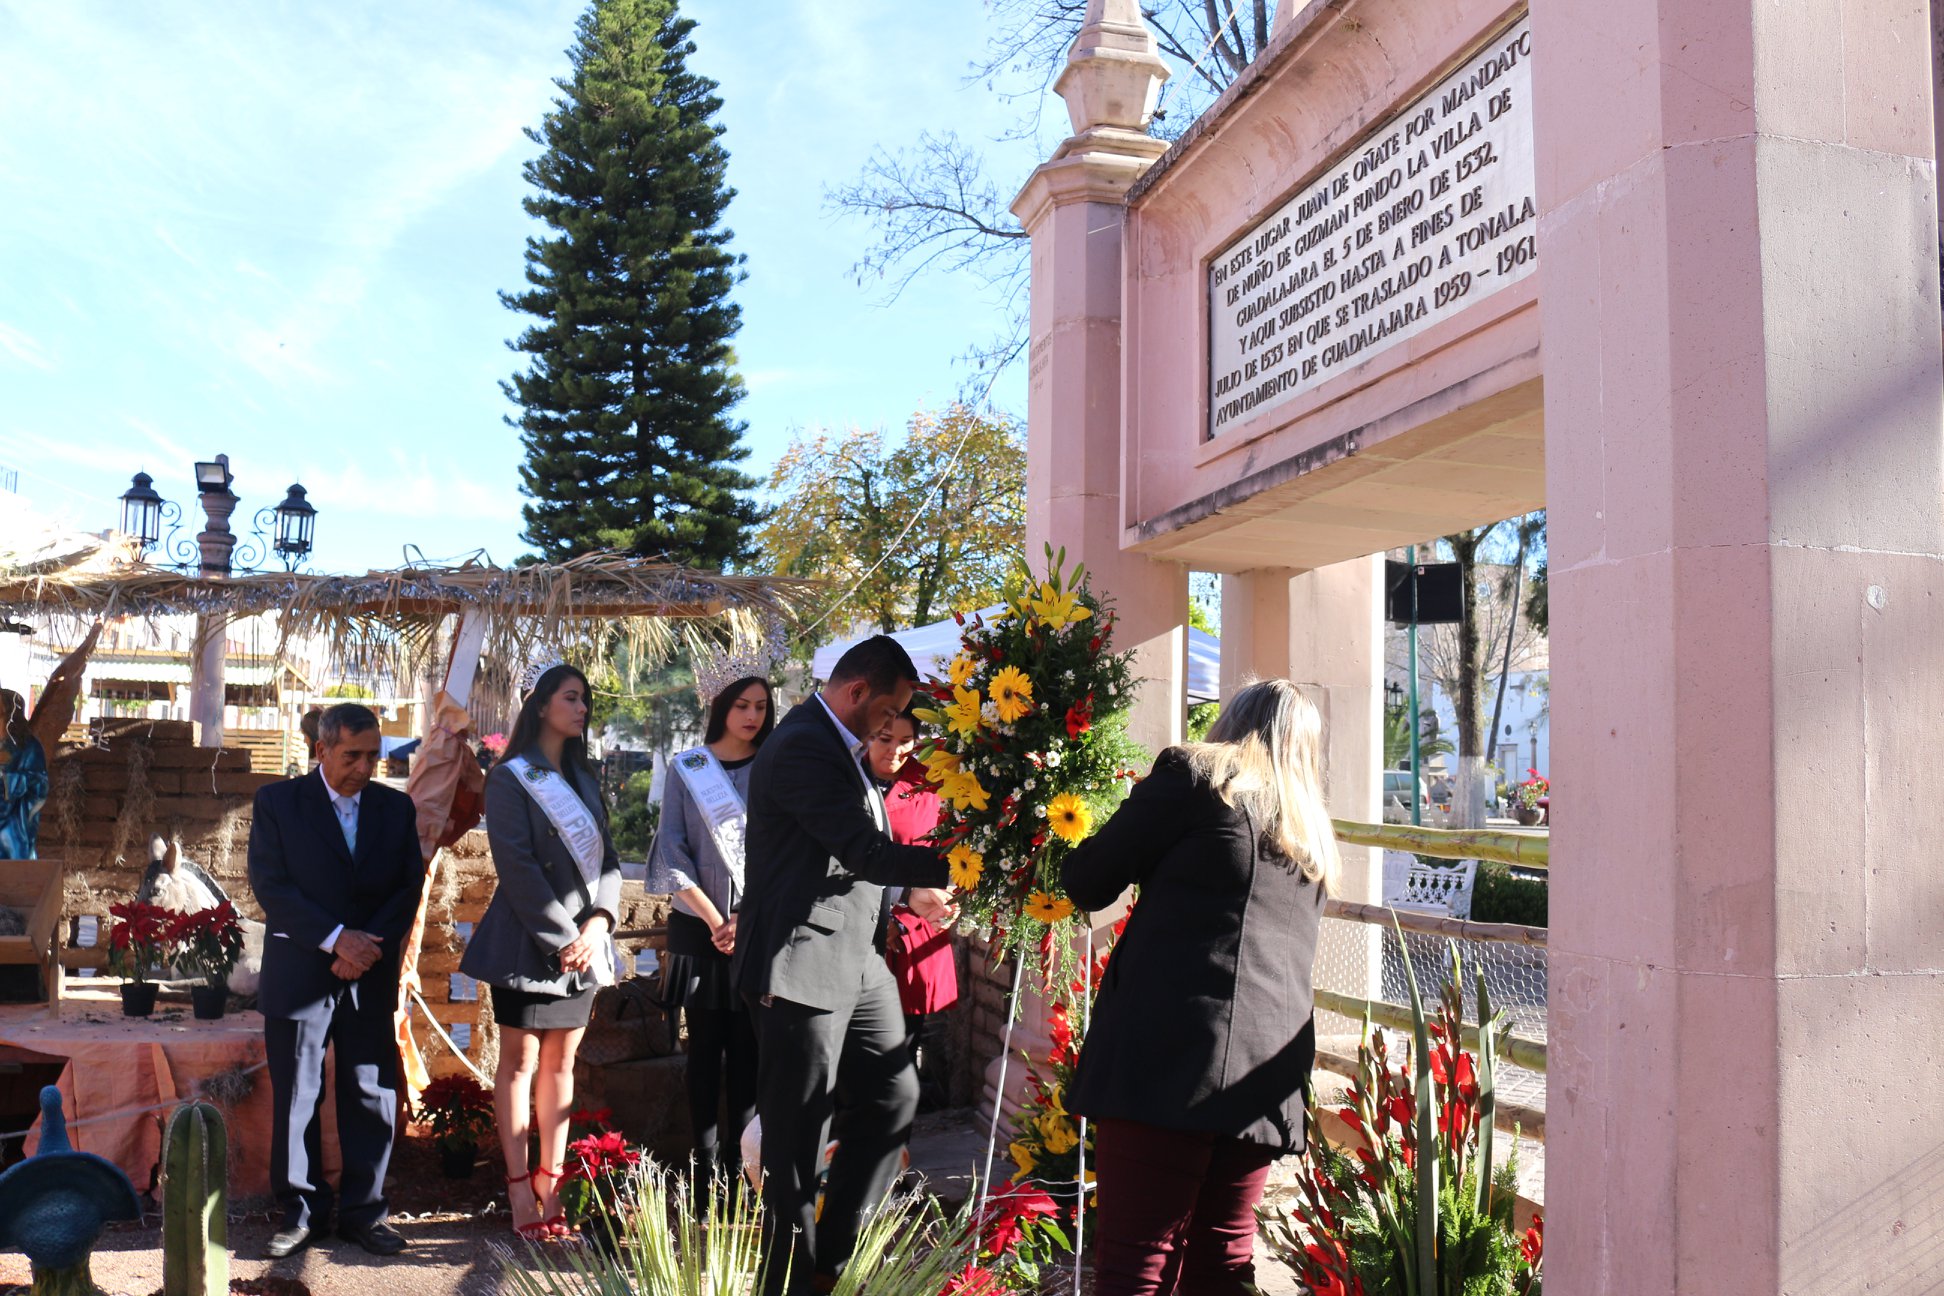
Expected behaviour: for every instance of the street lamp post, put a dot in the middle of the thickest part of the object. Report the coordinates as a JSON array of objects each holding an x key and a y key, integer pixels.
[
  {"x": 216, "y": 543},
  {"x": 213, "y": 556}
]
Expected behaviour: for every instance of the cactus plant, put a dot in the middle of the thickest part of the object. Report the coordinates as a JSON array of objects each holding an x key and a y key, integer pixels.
[{"x": 195, "y": 1203}]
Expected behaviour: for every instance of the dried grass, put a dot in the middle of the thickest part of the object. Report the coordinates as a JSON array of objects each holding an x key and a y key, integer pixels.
[{"x": 397, "y": 618}]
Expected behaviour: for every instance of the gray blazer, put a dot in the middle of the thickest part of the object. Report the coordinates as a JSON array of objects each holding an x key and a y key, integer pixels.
[{"x": 538, "y": 907}]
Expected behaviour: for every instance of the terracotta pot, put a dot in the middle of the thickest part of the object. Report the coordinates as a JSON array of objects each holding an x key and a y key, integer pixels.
[
  {"x": 456, "y": 1160},
  {"x": 138, "y": 998},
  {"x": 210, "y": 1000}
]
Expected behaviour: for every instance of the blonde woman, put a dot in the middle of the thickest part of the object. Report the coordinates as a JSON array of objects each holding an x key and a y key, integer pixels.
[{"x": 1196, "y": 1067}]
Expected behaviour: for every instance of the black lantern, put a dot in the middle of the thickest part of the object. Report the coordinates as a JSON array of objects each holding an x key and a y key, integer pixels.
[
  {"x": 142, "y": 511},
  {"x": 295, "y": 518},
  {"x": 1394, "y": 694}
]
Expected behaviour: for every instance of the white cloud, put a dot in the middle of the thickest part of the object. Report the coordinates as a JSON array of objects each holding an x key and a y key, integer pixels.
[{"x": 24, "y": 348}]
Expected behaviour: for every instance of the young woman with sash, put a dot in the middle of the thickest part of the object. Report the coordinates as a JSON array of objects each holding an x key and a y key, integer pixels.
[
  {"x": 546, "y": 942},
  {"x": 698, "y": 859}
]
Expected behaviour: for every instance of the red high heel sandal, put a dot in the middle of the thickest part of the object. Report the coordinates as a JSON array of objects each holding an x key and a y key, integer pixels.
[
  {"x": 538, "y": 1231},
  {"x": 558, "y": 1229}
]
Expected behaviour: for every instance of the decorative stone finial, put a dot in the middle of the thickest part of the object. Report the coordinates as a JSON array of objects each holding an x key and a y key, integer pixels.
[{"x": 1114, "y": 70}]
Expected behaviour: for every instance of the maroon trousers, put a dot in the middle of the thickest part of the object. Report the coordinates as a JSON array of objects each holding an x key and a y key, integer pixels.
[{"x": 1176, "y": 1211}]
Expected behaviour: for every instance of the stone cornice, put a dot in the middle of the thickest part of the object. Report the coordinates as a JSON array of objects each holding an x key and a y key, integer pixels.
[{"x": 1098, "y": 165}]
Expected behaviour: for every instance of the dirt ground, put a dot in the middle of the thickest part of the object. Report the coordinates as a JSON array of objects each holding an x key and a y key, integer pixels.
[{"x": 453, "y": 1226}]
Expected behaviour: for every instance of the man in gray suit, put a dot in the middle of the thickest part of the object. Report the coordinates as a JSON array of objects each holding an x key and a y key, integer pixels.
[{"x": 828, "y": 1020}]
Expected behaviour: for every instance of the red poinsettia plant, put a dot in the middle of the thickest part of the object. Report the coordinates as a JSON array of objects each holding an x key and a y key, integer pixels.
[
  {"x": 459, "y": 1110},
  {"x": 1417, "y": 1205},
  {"x": 209, "y": 940},
  {"x": 140, "y": 941},
  {"x": 600, "y": 1164}
]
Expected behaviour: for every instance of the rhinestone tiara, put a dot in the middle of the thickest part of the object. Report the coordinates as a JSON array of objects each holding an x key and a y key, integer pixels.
[
  {"x": 537, "y": 668},
  {"x": 717, "y": 668}
]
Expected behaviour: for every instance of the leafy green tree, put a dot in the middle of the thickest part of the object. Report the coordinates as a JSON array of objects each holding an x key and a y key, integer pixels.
[
  {"x": 912, "y": 531},
  {"x": 625, "y": 404}
]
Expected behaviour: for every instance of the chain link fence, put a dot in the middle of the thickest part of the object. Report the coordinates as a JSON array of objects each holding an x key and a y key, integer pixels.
[{"x": 1362, "y": 960}]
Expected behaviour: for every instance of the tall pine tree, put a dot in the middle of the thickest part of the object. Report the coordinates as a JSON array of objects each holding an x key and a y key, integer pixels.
[{"x": 625, "y": 408}]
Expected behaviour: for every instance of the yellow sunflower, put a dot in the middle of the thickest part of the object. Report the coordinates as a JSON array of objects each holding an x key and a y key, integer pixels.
[
  {"x": 963, "y": 714},
  {"x": 966, "y": 864},
  {"x": 1012, "y": 693},
  {"x": 1055, "y": 610},
  {"x": 1069, "y": 817},
  {"x": 963, "y": 790},
  {"x": 962, "y": 668},
  {"x": 939, "y": 763},
  {"x": 1045, "y": 907}
]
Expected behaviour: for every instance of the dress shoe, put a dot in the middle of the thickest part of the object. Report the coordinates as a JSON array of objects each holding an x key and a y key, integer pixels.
[
  {"x": 381, "y": 1239},
  {"x": 288, "y": 1242}
]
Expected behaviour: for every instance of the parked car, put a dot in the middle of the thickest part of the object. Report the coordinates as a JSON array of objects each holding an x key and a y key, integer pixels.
[{"x": 1397, "y": 791}]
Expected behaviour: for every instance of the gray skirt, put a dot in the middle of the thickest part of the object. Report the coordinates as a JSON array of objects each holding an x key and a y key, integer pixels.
[{"x": 534, "y": 1011}]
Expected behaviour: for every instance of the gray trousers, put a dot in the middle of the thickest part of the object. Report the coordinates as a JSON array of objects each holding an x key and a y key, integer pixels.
[{"x": 809, "y": 1063}]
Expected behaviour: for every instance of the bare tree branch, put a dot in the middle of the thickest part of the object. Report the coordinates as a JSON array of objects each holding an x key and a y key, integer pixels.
[{"x": 931, "y": 204}]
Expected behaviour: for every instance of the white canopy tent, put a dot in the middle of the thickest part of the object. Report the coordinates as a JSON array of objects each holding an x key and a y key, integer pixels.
[{"x": 932, "y": 646}]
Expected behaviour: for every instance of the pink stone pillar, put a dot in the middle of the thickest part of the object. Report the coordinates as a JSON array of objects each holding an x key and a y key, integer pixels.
[
  {"x": 1073, "y": 209},
  {"x": 1255, "y": 626},
  {"x": 1746, "y": 480}
]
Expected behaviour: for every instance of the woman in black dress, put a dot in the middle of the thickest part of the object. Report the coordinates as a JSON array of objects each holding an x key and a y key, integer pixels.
[
  {"x": 545, "y": 944},
  {"x": 1196, "y": 1064}
]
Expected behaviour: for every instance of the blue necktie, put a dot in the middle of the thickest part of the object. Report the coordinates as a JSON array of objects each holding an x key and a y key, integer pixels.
[{"x": 348, "y": 820}]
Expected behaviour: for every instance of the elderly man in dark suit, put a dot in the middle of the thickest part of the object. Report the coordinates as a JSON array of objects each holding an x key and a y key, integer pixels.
[
  {"x": 335, "y": 863},
  {"x": 827, "y": 1014}
]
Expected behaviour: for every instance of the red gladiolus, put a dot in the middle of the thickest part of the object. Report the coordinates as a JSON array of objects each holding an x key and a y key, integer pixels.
[
  {"x": 1401, "y": 1110},
  {"x": 1079, "y": 717},
  {"x": 1467, "y": 1078},
  {"x": 1351, "y": 1118},
  {"x": 1533, "y": 1245}
]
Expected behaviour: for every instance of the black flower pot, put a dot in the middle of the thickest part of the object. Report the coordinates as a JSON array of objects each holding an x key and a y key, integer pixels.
[
  {"x": 456, "y": 1160},
  {"x": 209, "y": 1000},
  {"x": 138, "y": 998}
]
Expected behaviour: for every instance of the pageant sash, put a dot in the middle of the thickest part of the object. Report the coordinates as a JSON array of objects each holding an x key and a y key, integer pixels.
[
  {"x": 578, "y": 828},
  {"x": 715, "y": 795},
  {"x": 567, "y": 812}
]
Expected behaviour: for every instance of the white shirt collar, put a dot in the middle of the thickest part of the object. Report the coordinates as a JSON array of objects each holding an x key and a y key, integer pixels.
[
  {"x": 852, "y": 742},
  {"x": 338, "y": 799}
]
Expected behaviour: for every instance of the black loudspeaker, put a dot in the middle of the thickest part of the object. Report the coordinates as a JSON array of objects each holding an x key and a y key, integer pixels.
[{"x": 1435, "y": 588}]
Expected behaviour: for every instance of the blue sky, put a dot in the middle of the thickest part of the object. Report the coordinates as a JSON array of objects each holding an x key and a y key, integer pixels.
[{"x": 277, "y": 230}]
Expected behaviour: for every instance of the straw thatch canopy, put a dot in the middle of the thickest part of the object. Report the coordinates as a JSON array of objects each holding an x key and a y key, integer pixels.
[{"x": 652, "y": 604}]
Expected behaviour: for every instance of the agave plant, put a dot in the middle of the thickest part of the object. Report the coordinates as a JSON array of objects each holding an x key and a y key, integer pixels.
[
  {"x": 667, "y": 1245},
  {"x": 1417, "y": 1208}
]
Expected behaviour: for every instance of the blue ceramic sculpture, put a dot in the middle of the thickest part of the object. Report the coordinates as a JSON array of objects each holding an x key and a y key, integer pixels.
[{"x": 54, "y": 1205}]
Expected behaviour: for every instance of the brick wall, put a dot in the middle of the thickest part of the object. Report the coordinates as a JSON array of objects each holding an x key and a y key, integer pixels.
[{"x": 132, "y": 780}]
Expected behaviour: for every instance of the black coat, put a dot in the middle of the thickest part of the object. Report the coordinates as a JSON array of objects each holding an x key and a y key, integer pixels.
[
  {"x": 308, "y": 883},
  {"x": 1205, "y": 1018},
  {"x": 817, "y": 865}
]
